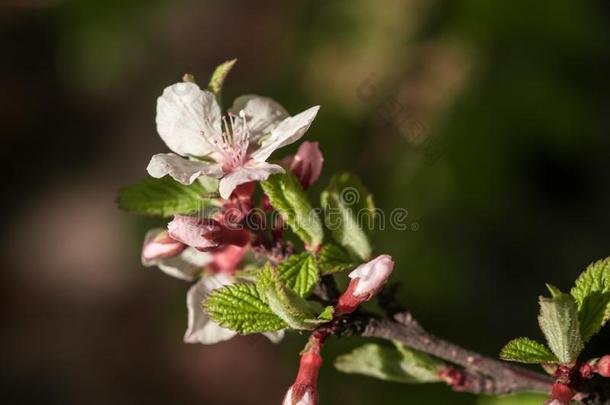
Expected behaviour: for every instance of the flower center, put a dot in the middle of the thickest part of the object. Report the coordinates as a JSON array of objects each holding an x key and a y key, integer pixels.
[{"x": 231, "y": 143}]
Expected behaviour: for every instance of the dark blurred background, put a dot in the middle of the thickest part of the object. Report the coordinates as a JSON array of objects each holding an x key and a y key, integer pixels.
[{"x": 488, "y": 121}]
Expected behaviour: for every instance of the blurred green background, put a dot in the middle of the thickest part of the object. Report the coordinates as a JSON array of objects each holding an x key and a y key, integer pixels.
[{"x": 488, "y": 121}]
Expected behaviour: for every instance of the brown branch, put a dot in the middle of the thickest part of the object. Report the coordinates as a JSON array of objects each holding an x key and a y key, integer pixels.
[
  {"x": 479, "y": 374},
  {"x": 484, "y": 374}
]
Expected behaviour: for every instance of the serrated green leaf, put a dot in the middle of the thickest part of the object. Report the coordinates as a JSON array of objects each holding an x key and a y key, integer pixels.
[
  {"x": 239, "y": 307},
  {"x": 288, "y": 198},
  {"x": 390, "y": 364},
  {"x": 558, "y": 321},
  {"x": 592, "y": 294},
  {"x": 299, "y": 273},
  {"x": 334, "y": 260},
  {"x": 525, "y": 350},
  {"x": 349, "y": 213},
  {"x": 164, "y": 197},
  {"x": 285, "y": 303},
  {"x": 219, "y": 76}
]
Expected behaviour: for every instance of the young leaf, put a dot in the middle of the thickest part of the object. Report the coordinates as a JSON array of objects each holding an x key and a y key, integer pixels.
[
  {"x": 219, "y": 76},
  {"x": 592, "y": 294},
  {"x": 289, "y": 199},
  {"x": 525, "y": 350},
  {"x": 334, "y": 260},
  {"x": 240, "y": 308},
  {"x": 327, "y": 314},
  {"x": 288, "y": 305},
  {"x": 558, "y": 320},
  {"x": 349, "y": 213},
  {"x": 404, "y": 365},
  {"x": 164, "y": 197},
  {"x": 299, "y": 273}
]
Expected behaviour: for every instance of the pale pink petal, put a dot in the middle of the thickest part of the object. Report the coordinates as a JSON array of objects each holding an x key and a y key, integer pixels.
[
  {"x": 306, "y": 164},
  {"x": 182, "y": 170},
  {"x": 252, "y": 171},
  {"x": 263, "y": 114},
  {"x": 288, "y": 131},
  {"x": 158, "y": 245},
  {"x": 185, "y": 266},
  {"x": 202, "y": 329},
  {"x": 196, "y": 232},
  {"x": 181, "y": 111}
]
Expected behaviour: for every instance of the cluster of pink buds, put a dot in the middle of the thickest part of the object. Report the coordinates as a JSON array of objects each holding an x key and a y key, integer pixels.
[
  {"x": 563, "y": 392},
  {"x": 367, "y": 280}
]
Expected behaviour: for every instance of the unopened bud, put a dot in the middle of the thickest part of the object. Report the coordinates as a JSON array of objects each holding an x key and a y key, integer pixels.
[
  {"x": 367, "y": 280},
  {"x": 188, "y": 78},
  {"x": 306, "y": 164},
  {"x": 561, "y": 394},
  {"x": 160, "y": 246},
  {"x": 205, "y": 233},
  {"x": 304, "y": 390},
  {"x": 603, "y": 366}
]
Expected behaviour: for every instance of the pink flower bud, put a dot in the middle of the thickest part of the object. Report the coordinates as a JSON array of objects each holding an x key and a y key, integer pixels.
[
  {"x": 561, "y": 394},
  {"x": 304, "y": 390},
  {"x": 205, "y": 234},
  {"x": 161, "y": 246},
  {"x": 306, "y": 165},
  {"x": 367, "y": 280},
  {"x": 603, "y": 366}
]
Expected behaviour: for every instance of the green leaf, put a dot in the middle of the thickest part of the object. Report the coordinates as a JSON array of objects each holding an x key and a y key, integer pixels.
[
  {"x": 349, "y": 213},
  {"x": 558, "y": 320},
  {"x": 164, "y": 197},
  {"x": 327, "y": 314},
  {"x": 219, "y": 76},
  {"x": 592, "y": 294},
  {"x": 555, "y": 292},
  {"x": 401, "y": 365},
  {"x": 289, "y": 199},
  {"x": 299, "y": 273},
  {"x": 334, "y": 260},
  {"x": 285, "y": 303},
  {"x": 239, "y": 307},
  {"x": 525, "y": 350}
]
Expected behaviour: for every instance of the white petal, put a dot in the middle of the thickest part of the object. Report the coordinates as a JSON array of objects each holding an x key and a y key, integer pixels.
[
  {"x": 372, "y": 274},
  {"x": 201, "y": 329},
  {"x": 263, "y": 114},
  {"x": 252, "y": 171},
  {"x": 287, "y": 132},
  {"x": 181, "y": 111},
  {"x": 185, "y": 266},
  {"x": 275, "y": 337},
  {"x": 180, "y": 169}
]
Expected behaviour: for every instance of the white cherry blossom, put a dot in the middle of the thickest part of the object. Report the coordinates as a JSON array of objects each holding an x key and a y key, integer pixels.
[{"x": 234, "y": 148}]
